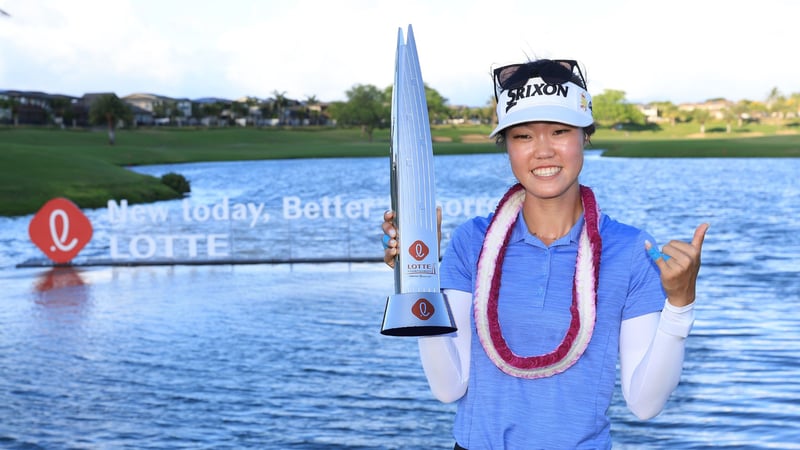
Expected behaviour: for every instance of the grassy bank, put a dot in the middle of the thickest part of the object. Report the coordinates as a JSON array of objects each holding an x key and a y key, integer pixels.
[{"x": 39, "y": 164}]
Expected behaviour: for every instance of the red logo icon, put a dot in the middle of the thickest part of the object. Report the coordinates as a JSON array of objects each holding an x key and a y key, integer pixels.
[
  {"x": 418, "y": 250},
  {"x": 60, "y": 230},
  {"x": 423, "y": 309}
]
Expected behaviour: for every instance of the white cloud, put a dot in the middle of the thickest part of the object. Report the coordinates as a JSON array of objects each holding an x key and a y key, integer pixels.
[{"x": 679, "y": 50}]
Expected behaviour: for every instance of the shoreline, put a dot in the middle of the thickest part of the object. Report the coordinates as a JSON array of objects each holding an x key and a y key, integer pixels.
[{"x": 37, "y": 165}]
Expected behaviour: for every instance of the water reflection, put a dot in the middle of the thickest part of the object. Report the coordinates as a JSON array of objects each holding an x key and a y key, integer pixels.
[
  {"x": 58, "y": 278},
  {"x": 62, "y": 289}
]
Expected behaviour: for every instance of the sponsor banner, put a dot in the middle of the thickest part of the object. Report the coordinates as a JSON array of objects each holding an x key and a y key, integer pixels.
[{"x": 223, "y": 229}]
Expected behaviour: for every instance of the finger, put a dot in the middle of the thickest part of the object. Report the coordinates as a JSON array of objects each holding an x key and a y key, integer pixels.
[
  {"x": 385, "y": 241},
  {"x": 389, "y": 256},
  {"x": 439, "y": 227},
  {"x": 388, "y": 229},
  {"x": 654, "y": 253},
  {"x": 388, "y": 224},
  {"x": 700, "y": 235}
]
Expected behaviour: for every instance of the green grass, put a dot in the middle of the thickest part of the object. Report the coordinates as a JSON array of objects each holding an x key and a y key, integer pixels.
[
  {"x": 38, "y": 164},
  {"x": 770, "y": 140},
  {"x": 766, "y": 147}
]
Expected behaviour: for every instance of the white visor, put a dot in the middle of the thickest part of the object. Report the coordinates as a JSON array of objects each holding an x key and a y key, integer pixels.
[{"x": 539, "y": 101}]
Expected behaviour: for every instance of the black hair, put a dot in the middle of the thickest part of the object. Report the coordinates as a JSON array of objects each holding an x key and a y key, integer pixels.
[{"x": 500, "y": 137}]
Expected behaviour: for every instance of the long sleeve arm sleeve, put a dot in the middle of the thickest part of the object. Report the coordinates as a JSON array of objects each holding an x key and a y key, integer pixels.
[
  {"x": 445, "y": 359},
  {"x": 652, "y": 349}
]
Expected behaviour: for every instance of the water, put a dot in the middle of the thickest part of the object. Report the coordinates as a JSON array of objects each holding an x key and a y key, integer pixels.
[{"x": 290, "y": 356}]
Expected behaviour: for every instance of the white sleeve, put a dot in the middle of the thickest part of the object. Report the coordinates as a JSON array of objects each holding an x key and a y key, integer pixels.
[
  {"x": 445, "y": 358},
  {"x": 651, "y": 349}
]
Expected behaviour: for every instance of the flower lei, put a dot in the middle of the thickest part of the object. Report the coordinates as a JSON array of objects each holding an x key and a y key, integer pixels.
[{"x": 584, "y": 291}]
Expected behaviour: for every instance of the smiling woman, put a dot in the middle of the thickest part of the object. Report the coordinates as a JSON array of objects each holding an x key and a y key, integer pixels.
[{"x": 549, "y": 291}]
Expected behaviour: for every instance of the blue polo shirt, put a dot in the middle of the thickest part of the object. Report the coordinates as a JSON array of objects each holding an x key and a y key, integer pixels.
[{"x": 567, "y": 410}]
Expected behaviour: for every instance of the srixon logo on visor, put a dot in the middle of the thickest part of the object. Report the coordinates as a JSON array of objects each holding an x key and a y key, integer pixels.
[
  {"x": 60, "y": 230},
  {"x": 531, "y": 90}
]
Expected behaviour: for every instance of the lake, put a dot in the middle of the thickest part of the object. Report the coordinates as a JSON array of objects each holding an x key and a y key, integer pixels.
[{"x": 290, "y": 355}]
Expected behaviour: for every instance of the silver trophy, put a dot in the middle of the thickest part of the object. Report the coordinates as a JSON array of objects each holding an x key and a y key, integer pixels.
[{"x": 417, "y": 308}]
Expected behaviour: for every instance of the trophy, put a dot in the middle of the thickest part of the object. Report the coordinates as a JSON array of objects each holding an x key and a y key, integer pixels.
[{"x": 417, "y": 308}]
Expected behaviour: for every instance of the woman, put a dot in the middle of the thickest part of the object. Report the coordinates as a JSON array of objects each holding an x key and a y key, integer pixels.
[{"x": 548, "y": 291}]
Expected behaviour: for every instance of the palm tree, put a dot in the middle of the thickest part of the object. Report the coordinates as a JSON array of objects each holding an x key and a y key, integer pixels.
[
  {"x": 109, "y": 109},
  {"x": 280, "y": 102},
  {"x": 239, "y": 110},
  {"x": 11, "y": 104},
  {"x": 729, "y": 115},
  {"x": 314, "y": 109},
  {"x": 62, "y": 107},
  {"x": 741, "y": 110},
  {"x": 701, "y": 116},
  {"x": 775, "y": 102}
]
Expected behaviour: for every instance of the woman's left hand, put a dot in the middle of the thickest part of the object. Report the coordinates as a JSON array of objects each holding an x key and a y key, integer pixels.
[{"x": 679, "y": 271}]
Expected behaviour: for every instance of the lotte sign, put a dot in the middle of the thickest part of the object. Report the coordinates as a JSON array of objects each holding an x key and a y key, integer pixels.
[{"x": 60, "y": 230}]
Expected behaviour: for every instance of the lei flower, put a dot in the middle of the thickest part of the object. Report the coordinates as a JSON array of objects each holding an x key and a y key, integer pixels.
[{"x": 584, "y": 291}]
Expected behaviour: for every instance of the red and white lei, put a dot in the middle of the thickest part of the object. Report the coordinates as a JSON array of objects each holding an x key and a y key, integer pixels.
[{"x": 584, "y": 291}]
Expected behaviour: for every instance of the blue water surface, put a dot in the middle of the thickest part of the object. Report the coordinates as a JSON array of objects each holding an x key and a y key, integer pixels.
[{"x": 289, "y": 356}]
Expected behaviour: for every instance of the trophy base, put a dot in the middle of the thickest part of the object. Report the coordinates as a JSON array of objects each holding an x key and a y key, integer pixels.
[{"x": 417, "y": 314}]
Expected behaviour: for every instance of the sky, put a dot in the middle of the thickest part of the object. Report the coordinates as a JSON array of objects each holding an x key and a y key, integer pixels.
[{"x": 678, "y": 51}]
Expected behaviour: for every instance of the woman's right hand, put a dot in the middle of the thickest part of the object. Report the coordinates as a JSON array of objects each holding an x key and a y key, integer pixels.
[
  {"x": 391, "y": 246},
  {"x": 390, "y": 250}
]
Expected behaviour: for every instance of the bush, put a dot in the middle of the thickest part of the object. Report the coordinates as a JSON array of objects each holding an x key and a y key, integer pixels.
[{"x": 177, "y": 182}]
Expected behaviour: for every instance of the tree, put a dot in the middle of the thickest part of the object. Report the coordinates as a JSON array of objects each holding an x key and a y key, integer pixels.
[
  {"x": 438, "y": 110},
  {"x": 668, "y": 111},
  {"x": 774, "y": 100},
  {"x": 197, "y": 112},
  {"x": 742, "y": 111},
  {"x": 367, "y": 107},
  {"x": 701, "y": 116},
  {"x": 176, "y": 114},
  {"x": 239, "y": 110},
  {"x": 794, "y": 103},
  {"x": 209, "y": 111},
  {"x": 729, "y": 116},
  {"x": 11, "y": 104},
  {"x": 281, "y": 102},
  {"x": 252, "y": 110},
  {"x": 314, "y": 109},
  {"x": 161, "y": 109},
  {"x": 779, "y": 105},
  {"x": 611, "y": 107},
  {"x": 268, "y": 110},
  {"x": 109, "y": 109},
  {"x": 62, "y": 107}
]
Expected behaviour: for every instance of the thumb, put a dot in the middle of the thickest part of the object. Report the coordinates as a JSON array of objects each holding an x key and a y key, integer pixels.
[{"x": 699, "y": 235}]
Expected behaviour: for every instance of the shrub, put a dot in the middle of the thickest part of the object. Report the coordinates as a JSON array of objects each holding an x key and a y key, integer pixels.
[{"x": 177, "y": 182}]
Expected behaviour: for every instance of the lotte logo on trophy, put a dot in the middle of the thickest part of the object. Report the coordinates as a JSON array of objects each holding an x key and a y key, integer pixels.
[{"x": 417, "y": 308}]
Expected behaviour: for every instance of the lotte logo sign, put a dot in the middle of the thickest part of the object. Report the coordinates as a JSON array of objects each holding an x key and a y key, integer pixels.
[{"x": 60, "y": 230}]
